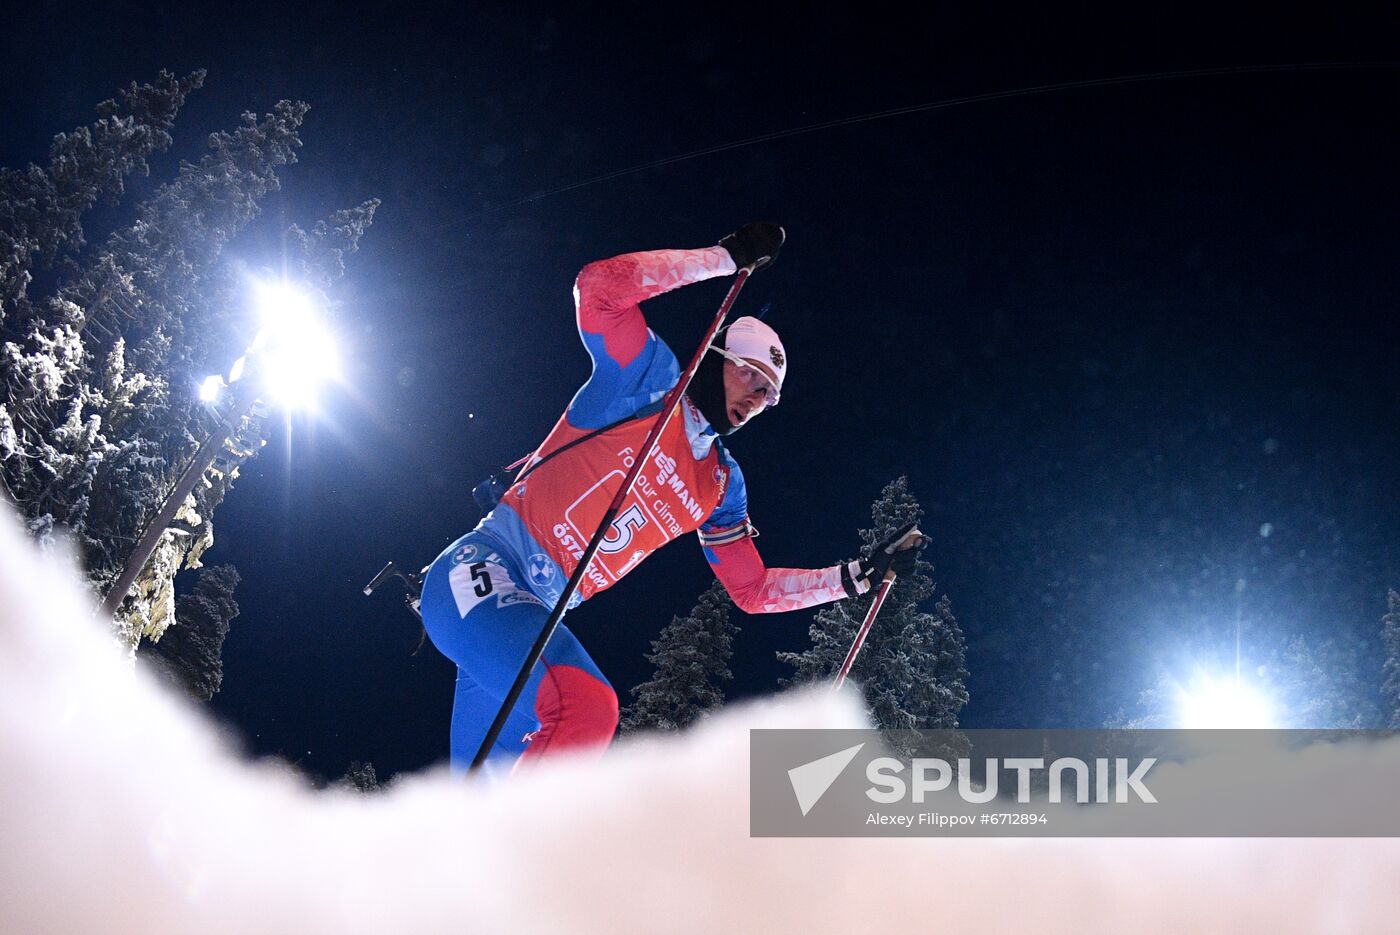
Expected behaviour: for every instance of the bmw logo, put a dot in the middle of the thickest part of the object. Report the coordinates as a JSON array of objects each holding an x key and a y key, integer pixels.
[
  {"x": 466, "y": 553},
  {"x": 541, "y": 568}
]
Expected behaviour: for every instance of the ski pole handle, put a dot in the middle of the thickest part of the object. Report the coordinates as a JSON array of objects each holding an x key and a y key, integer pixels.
[{"x": 912, "y": 539}]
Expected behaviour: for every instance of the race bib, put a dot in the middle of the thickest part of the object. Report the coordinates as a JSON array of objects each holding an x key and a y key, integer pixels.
[{"x": 474, "y": 580}]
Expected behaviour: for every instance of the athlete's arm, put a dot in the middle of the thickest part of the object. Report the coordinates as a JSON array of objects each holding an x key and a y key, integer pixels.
[
  {"x": 607, "y": 293},
  {"x": 727, "y": 538},
  {"x": 757, "y": 589},
  {"x": 629, "y": 363}
]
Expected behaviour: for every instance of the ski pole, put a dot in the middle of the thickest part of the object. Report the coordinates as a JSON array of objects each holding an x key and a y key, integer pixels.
[
  {"x": 668, "y": 408},
  {"x": 885, "y": 584}
]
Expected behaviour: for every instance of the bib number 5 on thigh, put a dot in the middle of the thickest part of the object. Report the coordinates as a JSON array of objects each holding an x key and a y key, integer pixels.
[{"x": 475, "y": 581}]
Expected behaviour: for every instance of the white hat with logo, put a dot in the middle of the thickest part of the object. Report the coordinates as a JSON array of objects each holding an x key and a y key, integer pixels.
[{"x": 751, "y": 339}]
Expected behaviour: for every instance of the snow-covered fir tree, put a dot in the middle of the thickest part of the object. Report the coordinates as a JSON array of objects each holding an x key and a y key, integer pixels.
[
  {"x": 1390, "y": 638},
  {"x": 1318, "y": 684},
  {"x": 912, "y": 669},
  {"x": 692, "y": 660},
  {"x": 360, "y": 777},
  {"x": 41, "y": 207},
  {"x": 191, "y": 654},
  {"x": 98, "y": 409},
  {"x": 50, "y": 447}
]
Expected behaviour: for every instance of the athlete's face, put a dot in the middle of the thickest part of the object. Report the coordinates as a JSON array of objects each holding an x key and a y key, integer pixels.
[{"x": 747, "y": 389}]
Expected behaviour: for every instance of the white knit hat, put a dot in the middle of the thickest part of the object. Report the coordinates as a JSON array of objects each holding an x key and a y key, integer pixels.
[{"x": 752, "y": 339}]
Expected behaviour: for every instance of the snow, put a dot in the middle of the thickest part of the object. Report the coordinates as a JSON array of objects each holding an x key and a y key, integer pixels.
[{"x": 126, "y": 810}]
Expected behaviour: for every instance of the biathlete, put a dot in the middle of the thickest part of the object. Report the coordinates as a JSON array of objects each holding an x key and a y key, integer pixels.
[{"x": 487, "y": 596}]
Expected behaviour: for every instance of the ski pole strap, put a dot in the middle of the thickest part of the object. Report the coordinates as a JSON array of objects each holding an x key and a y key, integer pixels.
[{"x": 645, "y": 412}]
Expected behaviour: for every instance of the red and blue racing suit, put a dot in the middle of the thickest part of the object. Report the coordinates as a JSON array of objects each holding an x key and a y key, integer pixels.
[{"x": 486, "y": 597}]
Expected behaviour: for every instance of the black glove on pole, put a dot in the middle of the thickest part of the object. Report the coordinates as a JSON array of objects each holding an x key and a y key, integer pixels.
[
  {"x": 755, "y": 244},
  {"x": 668, "y": 409},
  {"x": 893, "y": 554}
]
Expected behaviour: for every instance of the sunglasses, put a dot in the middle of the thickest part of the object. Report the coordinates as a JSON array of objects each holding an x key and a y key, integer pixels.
[{"x": 754, "y": 378}]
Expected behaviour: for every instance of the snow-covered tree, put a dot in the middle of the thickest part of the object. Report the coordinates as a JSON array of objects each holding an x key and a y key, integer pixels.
[
  {"x": 1390, "y": 637},
  {"x": 360, "y": 777},
  {"x": 1317, "y": 683},
  {"x": 912, "y": 669},
  {"x": 98, "y": 408},
  {"x": 41, "y": 207},
  {"x": 1154, "y": 709},
  {"x": 50, "y": 448},
  {"x": 191, "y": 654},
  {"x": 692, "y": 660}
]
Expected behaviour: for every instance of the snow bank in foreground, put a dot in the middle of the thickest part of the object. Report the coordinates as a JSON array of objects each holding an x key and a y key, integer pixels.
[{"x": 122, "y": 810}]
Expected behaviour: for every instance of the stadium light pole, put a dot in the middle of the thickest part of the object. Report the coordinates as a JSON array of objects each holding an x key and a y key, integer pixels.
[{"x": 289, "y": 358}]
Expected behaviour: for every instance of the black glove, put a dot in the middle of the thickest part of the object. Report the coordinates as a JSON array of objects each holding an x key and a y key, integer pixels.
[
  {"x": 755, "y": 242},
  {"x": 860, "y": 576}
]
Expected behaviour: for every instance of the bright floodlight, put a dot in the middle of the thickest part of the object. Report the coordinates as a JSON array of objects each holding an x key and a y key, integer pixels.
[
  {"x": 297, "y": 351},
  {"x": 209, "y": 390},
  {"x": 1213, "y": 702},
  {"x": 280, "y": 301}
]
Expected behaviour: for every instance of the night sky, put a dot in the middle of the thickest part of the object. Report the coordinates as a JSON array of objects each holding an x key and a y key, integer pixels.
[{"x": 1132, "y": 345}]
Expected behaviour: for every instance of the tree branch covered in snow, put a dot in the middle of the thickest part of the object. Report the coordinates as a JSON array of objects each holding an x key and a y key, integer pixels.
[
  {"x": 912, "y": 669},
  {"x": 1390, "y": 636},
  {"x": 692, "y": 659},
  {"x": 191, "y": 654},
  {"x": 99, "y": 413}
]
